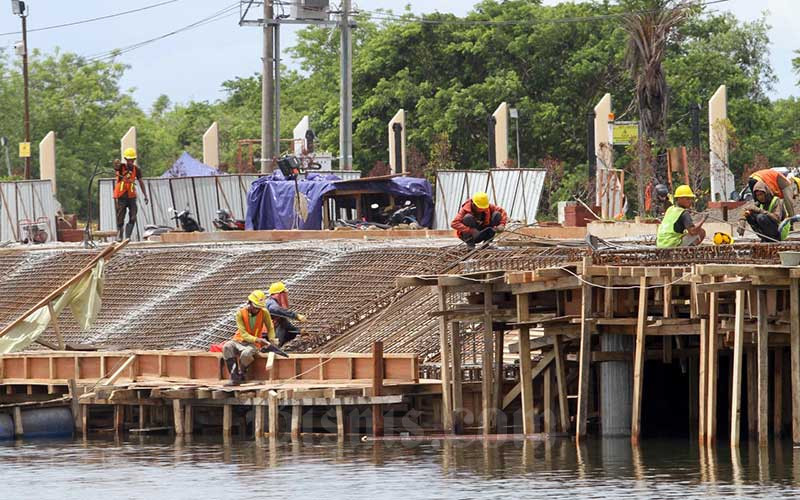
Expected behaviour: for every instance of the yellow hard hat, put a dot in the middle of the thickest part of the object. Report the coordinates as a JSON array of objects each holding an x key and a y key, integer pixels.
[
  {"x": 258, "y": 298},
  {"x": 277, "y": 287},
  {"x": 684, "y": 191},
  {"x": 721, "y": 238},
  {"x": 129, "y": 154},
  {"x": 481, "y": 200}
]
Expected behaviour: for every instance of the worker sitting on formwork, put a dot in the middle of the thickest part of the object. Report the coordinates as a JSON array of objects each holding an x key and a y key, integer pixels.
[
  {"x": 278, "y": 307},
  {"x": 788, "y": 190},
  {"x": 766, "y": 216},
  {"x": 251, "y": 322},
  {"x": 478, "y": 220},
  {"x": 677, "y": 228}
]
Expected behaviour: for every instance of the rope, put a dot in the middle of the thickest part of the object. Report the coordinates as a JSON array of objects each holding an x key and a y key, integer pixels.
[{"x": 627, "y": 287}]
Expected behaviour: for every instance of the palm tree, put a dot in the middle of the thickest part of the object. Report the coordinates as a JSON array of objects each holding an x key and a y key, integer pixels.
[{"x": 648, "y": 34}]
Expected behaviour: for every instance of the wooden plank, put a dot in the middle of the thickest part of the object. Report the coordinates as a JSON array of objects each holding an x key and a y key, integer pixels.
[
  {"x": 561, "y": 382},
  {"x": 638, "y": 363},
  {"x": 377, "y": 387},
  {"x": 666, "y": 295},
  {"x": 515, "y": 391},
  {"x": 497, "y": 391},
  {"x": 736, "y": 384},
  {"x": 547, "y": 391},
  {"x": 177, "y": 416},
  {"x": 584, "y": 360},
  {"x": 444, "y": 353},
  {"x": 74, "y": 403},
  {"x": 525, "y": 365},
  {"x": 762, "y": 360},
  {"x": 794, "y": 348},
  {"x": 56, "y": 327},
  {"x": 227, "y": 420},
  {"x": 258, "y": 422},
  {"x": 274, "y": 414},
  {"x": 724, "y": 286},
  {"x": 488, "y": 346},
  {"x": 752, "y": 388},
  {"x": 118, "y": 373},
  {"x": 458, "y": 391},
  {"x": 712, "y": 368}
]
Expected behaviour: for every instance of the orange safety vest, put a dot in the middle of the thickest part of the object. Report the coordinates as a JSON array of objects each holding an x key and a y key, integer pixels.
[
  {"x": 255, "y": 332},
  {"x": 126, "y": 180},
  {"x": 770, "y": 178}
]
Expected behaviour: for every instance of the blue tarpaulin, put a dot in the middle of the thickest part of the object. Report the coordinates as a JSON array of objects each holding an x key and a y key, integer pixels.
[
  {"x": 270, "y": 200},
  {"x": 187, "y": 166}
]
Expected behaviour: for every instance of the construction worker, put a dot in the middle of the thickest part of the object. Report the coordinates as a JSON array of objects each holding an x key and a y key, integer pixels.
[
  {"x": 478, "y": 220},
  {"x": 278, "y": 307},
  {"x": 766, "y": 216},
  {"x": 125, "y": 192},
  {"x": 251, "y": 322},
  {"x": 677, "y": 228},
  {"x": 780, "y": 186}
]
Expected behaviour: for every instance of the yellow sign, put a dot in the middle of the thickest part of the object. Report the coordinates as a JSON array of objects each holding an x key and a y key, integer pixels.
[
  {"x": 626, "y": 132},
  {"x": 24, "y": 149}
]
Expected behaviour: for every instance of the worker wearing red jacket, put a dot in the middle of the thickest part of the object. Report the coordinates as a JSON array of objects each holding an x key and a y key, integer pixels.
[{"x": 478, "y": 220}]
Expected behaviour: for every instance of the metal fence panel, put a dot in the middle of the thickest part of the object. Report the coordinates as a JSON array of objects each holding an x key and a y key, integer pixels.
[
  {"x": 26, "y": 200},
  {"x": 207, "y": 201},
  {"x": 8, "y": 212}
]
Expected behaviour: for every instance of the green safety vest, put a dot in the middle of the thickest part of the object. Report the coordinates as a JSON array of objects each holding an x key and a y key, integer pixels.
[
  {"x": 667, "y": 237},
  {"x": 785, "y": 232}
]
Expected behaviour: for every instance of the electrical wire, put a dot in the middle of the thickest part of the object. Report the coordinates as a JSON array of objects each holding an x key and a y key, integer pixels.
[{"x": 91, "y": 20}]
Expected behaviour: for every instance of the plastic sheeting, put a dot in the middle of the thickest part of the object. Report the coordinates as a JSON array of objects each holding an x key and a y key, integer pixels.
[
  {"x": 203, "y": 196},
  {"x": 188, "y": 166},
  {"x": 271, "y": 200},
  {"x": 517, "y": 190},
  {"x": 83, "y": 299},
  {"x": 29, "y": 200}
]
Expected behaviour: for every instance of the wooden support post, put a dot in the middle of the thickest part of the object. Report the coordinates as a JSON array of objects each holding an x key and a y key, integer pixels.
[
  {"x": 777, "y": 391},
  {"x": 188, "y": 419},
  {"x": 584, "y": 360},
  {"x": 142, "y": 416},
  {"x": 525, "y": 365},
  {"x": 638, "y": 362},
  {"x": 458, "y": 393},
  {"x": 84, "y": 420},
  {"x": 794, "y": 348},
  {"x": 74, "y": 403},
  {"x": 752, "y": 388},
  {"x": 56, "y": 328},
  {"x": 488, "y": 347},
  {"x": 561, "y": 382},
  {"x": 498, "y": 371},
  {"x": 18, "y": 430},
  {"x": 762, "y": 349},
  {"x": 667, "y": 339},
  {"x": 377, "y": 387},
  {"x": 274, "y": 416},
  {"x": 736, "y": 384},
  {"x": 340, "y": 422},
  {"x": 258, "y": 421},
  {"x": 444, "y": 354},
  {"x": 119, "y": 418},
  {"x": 227, "y": 420},
  {"x": 297, "y": 421},
  {"x": 713, "y": 368},
  {"x": 177, "y": 416},
  {"x": 548, "y": 401}
]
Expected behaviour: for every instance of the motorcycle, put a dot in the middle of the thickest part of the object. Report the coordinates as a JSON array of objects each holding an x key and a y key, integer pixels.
[
  {"x": 183, "y": 220},
  {"x": 405, "y": 215},
  {"x": 226, "y": 222}
]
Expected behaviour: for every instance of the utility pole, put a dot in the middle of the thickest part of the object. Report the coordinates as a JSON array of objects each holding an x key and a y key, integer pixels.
[
  {"x": 346, "y": 91},
  {"x": 277, "y": 33},
  {"x": 267, "y": 93},
  {"x": 18, "y": 8}
]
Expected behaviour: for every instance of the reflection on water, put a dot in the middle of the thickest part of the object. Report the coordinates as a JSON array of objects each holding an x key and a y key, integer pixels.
[{"x": 194, "y": 467}]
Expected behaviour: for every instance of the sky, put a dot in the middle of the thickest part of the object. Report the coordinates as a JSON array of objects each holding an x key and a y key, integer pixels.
[{"x": 191, "y": 65}]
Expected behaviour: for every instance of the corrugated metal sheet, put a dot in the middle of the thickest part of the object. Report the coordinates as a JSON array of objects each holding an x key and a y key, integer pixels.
[
  {"x": 516, "y": 190},
  {"x": 202, "y": 195},
  {"x": 26, "y": 200}
]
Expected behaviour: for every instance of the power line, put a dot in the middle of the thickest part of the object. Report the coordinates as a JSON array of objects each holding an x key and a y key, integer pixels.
[
  {"x": 387, "y": 16},
  {"x": 93, "y": 19},
  {"x": 220, "y": 14}
]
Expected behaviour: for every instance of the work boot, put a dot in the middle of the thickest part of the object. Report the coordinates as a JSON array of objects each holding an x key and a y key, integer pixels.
[
  {"x": 129, "y": 230},
  {"x": 233, "y": 370},
  {"x": 119, "y": 232}
]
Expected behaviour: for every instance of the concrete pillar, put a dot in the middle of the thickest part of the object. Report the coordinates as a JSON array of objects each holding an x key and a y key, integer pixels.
[
  {"x": 128, "y": 141},
  {"x": 608, "y": 189},
  {"x": 397, "y": 121},
  {"x": 722, "y": 180},
  {"x": 501, "y": 135},
  {"x": 211, "y": 146},
  {"x": 615, "y": 387},
  {"x": 47, "y": 158},
  {"x": 299, "y": 135}
]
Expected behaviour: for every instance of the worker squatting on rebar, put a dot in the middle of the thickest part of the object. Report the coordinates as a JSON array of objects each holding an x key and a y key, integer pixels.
[
  {"x": 766, "y": 216},
  {"x": 677, "y": 228},
  {"x": 125, "y": 192},
  {"x": 478, "y": 220},
  {"x": 278, "y": 307}
]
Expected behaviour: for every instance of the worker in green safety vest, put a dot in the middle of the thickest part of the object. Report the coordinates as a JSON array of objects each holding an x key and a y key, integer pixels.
[
  {"x": 677, "y": 228},
  {"x": 766, "y": 216}
]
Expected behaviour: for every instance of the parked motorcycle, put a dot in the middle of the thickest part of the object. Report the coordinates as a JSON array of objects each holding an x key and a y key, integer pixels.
[
  {"x": 226, "y": 222},
  {"x": 405, "y": 215},
  {"x": 183, "y": 220}
]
